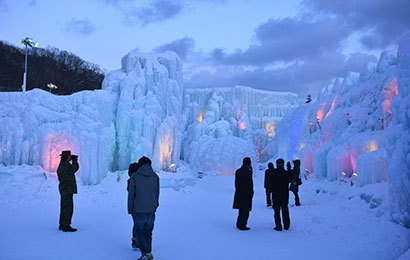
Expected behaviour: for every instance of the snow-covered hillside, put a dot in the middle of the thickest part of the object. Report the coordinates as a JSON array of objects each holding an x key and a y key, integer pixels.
[{"x": 358, "y": 130}]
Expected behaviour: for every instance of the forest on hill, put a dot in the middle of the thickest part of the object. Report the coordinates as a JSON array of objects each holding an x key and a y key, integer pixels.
[{"x": 67, "y": 71}]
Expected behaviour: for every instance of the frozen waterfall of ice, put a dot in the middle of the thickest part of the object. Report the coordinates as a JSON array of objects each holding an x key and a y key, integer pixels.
[
  {"x": 37, "y": 126},
  {"x": 221, "y": 126},
  {"x": 359, "y": 125},
  {"x": 148, "y": 100}
]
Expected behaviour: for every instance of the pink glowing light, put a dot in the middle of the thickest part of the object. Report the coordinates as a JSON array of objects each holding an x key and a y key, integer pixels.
[
  {"x": 320, "y": 113},
  {"x": 242, "y": 125},
  {"x": 389, "y": 92},
  {"x": 54, "y": 144},
  {"x": 332, "y": 107}
]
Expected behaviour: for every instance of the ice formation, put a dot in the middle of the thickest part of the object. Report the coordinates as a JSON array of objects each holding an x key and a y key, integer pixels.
[
  {"x": 359, "y": 126},
  {"x": 148, "y": 100},
  {"x": 221, "y": 126},
  {"x": 37, "y": 126},
  {"x": 139, "y": 112}
]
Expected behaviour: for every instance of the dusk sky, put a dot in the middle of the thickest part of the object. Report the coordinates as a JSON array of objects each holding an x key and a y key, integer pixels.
[{"x": 279, "y": 45}]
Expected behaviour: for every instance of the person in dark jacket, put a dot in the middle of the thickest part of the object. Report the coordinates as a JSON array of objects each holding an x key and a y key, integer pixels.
[
  {"x": 133, "y": 168},
  {"x": 294, "y": 185},
  {"x": 143, "y": 201},
  {"x": 67, "y": 187},
  {"x": 267, "y": 185},
  {"x": 243, "y": 193},
  {"x": 280, "y": 194}
]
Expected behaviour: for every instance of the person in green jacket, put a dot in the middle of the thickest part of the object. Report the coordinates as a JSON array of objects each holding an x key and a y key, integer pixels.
[{"x": 67, "y": 187}]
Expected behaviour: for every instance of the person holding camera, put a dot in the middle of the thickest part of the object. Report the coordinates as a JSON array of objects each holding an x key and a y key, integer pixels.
[{"x": 67, "y": 187}]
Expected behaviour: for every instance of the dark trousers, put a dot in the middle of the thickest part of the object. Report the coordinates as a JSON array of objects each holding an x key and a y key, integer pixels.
[
  {"x": 143, "y": 226},
  {"x": 66, "y": 209},
  {"x": 278, "y": 207},
  {"x": 242, "y": 220},
  {"x": 268, "y": 198},
  {"x": 297, "y": 201}
]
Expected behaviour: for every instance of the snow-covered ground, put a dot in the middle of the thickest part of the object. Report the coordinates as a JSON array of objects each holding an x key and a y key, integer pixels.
[{"x": 195, "y": 220}]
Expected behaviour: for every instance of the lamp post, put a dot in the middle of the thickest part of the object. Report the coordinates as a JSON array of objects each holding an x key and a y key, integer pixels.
[{"x": 28, "y": 42}]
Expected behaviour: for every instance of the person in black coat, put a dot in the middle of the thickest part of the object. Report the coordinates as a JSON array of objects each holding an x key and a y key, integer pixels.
[
  {"x": 294, "y": 185},
  {"x": 243, "y": 193},
  {"x": 268, "y": 189},
  {"x": 133, "y": 168},
  {"x": 280, "y": 194}
]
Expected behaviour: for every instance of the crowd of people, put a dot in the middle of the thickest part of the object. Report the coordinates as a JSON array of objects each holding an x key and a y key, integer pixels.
[
  {"x": 278, "y": 182},
  {"x": 143, "y": 195}
]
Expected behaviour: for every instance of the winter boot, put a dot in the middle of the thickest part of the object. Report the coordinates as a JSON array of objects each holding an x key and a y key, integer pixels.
[
  {"x": 147, "y": 256},
  {"x": 68, "y": 229},
  {"x": 134, "y": 243},
  {"x": 297, "y": 202},
  {"x": 278, "y": 228}
]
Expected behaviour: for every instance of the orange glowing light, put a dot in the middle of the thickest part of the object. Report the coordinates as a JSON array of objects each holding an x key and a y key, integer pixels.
[
  {"x": 242, "y": 125},
  {"x": 307, "y": 170},
  {"x": 372, "y": 146},
  {"x": 54, "y": 144},
  {"x": 301, "y": 146},
  {"x": 270, "y": 129},
  {"x": 200, "y": 118},
  {"x": 320, "y": 113},
  {"x": 332, "y": 107}
]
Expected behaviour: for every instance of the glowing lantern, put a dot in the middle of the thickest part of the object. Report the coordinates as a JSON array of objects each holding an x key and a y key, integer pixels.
[
  {"x": 51, "y": 86},
  {"x": 173, "y": 167},
  {"x": 353, "y": 180},
  {"x": 242, "y": 126}
]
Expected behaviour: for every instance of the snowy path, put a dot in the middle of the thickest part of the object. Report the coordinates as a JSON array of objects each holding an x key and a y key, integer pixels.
[{"x": 196, "y": 222}]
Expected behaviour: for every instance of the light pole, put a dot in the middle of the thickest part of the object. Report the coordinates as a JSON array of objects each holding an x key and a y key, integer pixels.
[{"x": 28, "y": 42}]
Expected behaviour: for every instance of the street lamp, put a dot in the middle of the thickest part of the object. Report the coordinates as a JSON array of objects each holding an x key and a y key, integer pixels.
[{"x": 28, "y": 42}]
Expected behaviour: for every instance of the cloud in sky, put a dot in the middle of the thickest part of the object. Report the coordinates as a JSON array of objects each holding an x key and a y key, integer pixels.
[
  {"x": 159, "y": 10},
  {"x": 81, "y": 26},
  {"x": 300, "y": 77},
  {"x": 3, "y": 6},
  {"x": 287, "y": 40},
  {"x": 182, "y": 47},
  {"x": 383, "y": 22},
  {"x": 310, "y": 46}
]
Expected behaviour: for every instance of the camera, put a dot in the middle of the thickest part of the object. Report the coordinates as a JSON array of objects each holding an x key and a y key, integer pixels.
[{"x": 74, "y": 157}]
